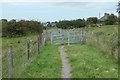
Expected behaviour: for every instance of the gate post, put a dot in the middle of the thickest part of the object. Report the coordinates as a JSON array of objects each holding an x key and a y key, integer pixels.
[
  {"x": 68, "y": 38},
  {"x": 51, "y": 38}
]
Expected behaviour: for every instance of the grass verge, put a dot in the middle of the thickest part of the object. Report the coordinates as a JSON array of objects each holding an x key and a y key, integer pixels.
[
  {"x": 46, "y": 65},
  {"x": 88, "y": 62},
  {"x": 18, "y": 52}
]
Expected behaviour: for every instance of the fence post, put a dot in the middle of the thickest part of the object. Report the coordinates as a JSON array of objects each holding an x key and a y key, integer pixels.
[
  {"x": 68, "y": 38},
  {"x": 42, "y": 39},
  {"x": 97, "y": 39},
  {"x": 113, "y": 45},
  {"x": 38, "y": 44},
  {"x": 10, "y": 62},
  {"x": 27, "y": 50}
]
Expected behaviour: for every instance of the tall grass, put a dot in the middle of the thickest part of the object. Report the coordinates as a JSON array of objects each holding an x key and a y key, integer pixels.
[
  {"x": 104, "y": 38},
  {"x": 89, "y": 62}
]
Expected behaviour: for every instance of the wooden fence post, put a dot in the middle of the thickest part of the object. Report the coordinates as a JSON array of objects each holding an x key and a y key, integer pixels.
[
  {"x": 38, "y": 44},
  {"x": 27, "y": 50},
  {"x": 10, "y": 62},
  {"x": 113, "y": 45},
  {"x": 97, "y": 39},
  {"x": 42, "y": 39}
]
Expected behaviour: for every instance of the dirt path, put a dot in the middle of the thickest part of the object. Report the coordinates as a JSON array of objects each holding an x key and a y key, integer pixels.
[{"x": 66, "y": 67}]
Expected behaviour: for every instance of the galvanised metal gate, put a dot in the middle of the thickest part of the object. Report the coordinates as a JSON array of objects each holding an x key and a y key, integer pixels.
[{"x": 67, "y": 37}]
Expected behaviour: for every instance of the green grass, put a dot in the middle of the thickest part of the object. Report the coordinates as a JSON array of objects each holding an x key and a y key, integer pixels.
[
  {"x": 105, "y": 35},
  {"x": 19, "y": 53},
  {"x": 46, "y": 65},
  {"x": 88, "y": 62}
]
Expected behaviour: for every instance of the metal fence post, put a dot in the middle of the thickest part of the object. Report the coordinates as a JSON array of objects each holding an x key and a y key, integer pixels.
[{"x": 51, "y": 38}]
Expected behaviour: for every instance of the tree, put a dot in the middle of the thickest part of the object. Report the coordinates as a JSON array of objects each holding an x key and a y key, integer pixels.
[
  {"x": 92, "y": 20},
  {"x": 69, "y": 24},
  {"x": 15, "y": 28},
  {"x": 4, "y": 26},
  {"x": 111, "y": 20},
  {"x": 118, "y": 10}
]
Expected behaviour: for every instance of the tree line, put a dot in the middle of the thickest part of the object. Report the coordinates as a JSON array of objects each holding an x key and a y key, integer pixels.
[
  {"x": 111, "y": 19},
  {"x": 14, "y": 28}
]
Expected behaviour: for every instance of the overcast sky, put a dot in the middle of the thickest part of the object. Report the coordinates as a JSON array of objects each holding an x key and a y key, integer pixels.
[{"x": 55, "y": 11}]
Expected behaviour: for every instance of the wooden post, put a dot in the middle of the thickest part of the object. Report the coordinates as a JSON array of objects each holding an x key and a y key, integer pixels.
[
  {"x": 38, "y": 45},
  {"x": 27, "y": 50},
  {"x": 42, "y": 39},
  {"x": 97, "y": 39},
  {"x": 68, "y": 38},
  {"x": 10, "y": 62},
  {"x": 113, "y": 45}
]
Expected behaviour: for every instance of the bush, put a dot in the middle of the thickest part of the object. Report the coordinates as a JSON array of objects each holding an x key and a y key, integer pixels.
[{"x": 15, "y": 28}]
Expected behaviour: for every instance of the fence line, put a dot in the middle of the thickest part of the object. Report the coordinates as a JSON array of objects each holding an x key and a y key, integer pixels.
[{"x": 14, "y": 62}]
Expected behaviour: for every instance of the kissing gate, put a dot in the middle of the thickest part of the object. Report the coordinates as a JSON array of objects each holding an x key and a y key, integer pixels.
[{"x": 69, "y": 37}]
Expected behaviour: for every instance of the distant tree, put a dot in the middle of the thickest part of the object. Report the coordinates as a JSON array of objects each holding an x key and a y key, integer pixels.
[
  {"x": 118, "y": 10},
  {"x": 49, "y": 24},
  {"x": 118, "y": 7},
  {"x": 69, "y": 24},
  {"x": 111, "y": 20},
  {"x": 4, "y": 20},
  {"x": 4, "y": 27},
  {"x": 92, "y": 20}
]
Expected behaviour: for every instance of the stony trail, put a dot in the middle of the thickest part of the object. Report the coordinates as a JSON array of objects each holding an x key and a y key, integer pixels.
[{"x": 66, "y": 66}]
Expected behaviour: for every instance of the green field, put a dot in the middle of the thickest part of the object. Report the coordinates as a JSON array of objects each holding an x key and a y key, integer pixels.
[
  {"x": 88, "y": 62},
  {"x": 46, "y": 65}
]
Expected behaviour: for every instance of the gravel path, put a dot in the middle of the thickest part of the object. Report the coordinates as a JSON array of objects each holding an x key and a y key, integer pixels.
[{"x": 66, "y": 66}]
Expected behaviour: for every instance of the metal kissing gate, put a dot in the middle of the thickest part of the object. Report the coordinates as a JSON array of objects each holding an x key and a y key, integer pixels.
[{"x": 67, "y": 37}]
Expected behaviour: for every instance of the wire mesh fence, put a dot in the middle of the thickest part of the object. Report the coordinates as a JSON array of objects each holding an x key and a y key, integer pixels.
[{"x": 17, "y": 55}]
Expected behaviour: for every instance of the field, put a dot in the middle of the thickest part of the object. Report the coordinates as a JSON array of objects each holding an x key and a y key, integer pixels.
[{"x": 97, "y": 58}]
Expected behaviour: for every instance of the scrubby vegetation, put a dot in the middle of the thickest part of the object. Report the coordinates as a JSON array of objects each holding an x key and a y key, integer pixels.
[
  {"x": 14, "y": 28},
  {"x": 104, "y": 38}
]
